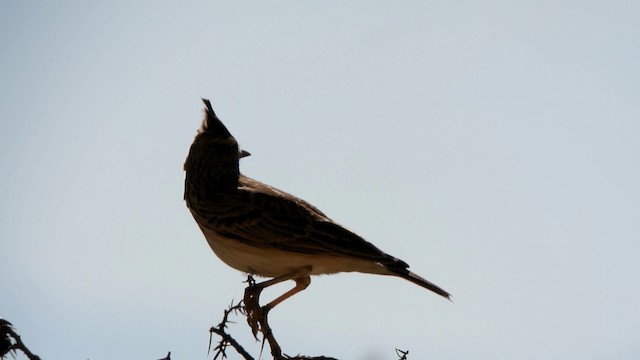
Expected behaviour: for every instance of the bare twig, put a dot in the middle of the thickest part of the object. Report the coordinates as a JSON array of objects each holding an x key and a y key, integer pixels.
[
  {"x": 10, "y": 341},
  {"x": 257, "y": 320},
  {"x": 227, "y": 340},
  {"x": 5, "y": 340},
  {"x": 168, "y": 357},
  {"x": 402, "y": 354}
]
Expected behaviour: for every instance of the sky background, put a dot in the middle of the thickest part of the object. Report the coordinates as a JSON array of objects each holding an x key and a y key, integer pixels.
[{"x": 494, "y": 146}]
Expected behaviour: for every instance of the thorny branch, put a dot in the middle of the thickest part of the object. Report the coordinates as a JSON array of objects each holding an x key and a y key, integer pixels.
[
  {"x": 168, "y": 357},
  {"x": 10, "y": 341},
  {"x": 227, "y": 340},
  {"x": 257, "y": 319},
  {"x": 402, "y": 354}
]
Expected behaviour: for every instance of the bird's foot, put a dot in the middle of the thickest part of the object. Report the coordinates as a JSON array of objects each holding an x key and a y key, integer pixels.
[
  {"x": 257, "y": 318},
  {"x": 256, "y": 315}
]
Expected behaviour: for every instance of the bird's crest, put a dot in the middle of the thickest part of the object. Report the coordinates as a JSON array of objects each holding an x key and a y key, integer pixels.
[{"x": 211, "y": 124}]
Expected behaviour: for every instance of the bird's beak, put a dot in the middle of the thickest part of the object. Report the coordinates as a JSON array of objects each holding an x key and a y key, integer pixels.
[{"x": 244, "y": 153}]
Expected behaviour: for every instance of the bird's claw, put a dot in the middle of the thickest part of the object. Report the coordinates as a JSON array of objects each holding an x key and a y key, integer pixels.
[
  {"x": 257, "y": 320},
  {"x": 256, "y": 315}
]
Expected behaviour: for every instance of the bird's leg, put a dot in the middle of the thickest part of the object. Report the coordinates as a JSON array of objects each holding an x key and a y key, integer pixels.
[
  {"x": 301, "y": 284},
  {"x": 300, "y": 276},
  {"x": 257, "y": 316}
]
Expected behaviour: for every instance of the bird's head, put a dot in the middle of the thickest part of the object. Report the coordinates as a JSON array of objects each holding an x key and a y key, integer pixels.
[
  {"x": 214, "y": 152},
  {"x": 213, "y": 133}
]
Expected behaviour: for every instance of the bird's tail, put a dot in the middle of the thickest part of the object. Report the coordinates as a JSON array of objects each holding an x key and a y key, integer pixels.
[{"x": 419, "y": 280}]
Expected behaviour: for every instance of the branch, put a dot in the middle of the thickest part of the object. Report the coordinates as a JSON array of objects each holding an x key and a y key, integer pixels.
[
  {"x": 168, "y": 357},
  {"x": 257, "y": 320},
  {"x": 227, "y": 340},
  {"x": 11, "y": 341},
  {"x": 402, "y": 354}
]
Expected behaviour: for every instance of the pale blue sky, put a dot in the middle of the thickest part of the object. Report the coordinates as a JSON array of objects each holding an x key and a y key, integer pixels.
[{"x": 494, "y": 146}]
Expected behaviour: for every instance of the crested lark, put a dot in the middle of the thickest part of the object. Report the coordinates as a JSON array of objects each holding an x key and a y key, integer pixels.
[{"x": 261, "y": 230}]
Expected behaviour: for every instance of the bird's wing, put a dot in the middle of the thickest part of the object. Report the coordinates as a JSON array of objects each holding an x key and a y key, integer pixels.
[{"x": 263, "y": 216}]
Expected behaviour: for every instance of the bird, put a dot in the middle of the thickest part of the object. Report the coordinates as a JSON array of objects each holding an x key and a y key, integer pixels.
[{"x": 261, "y": 230}]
